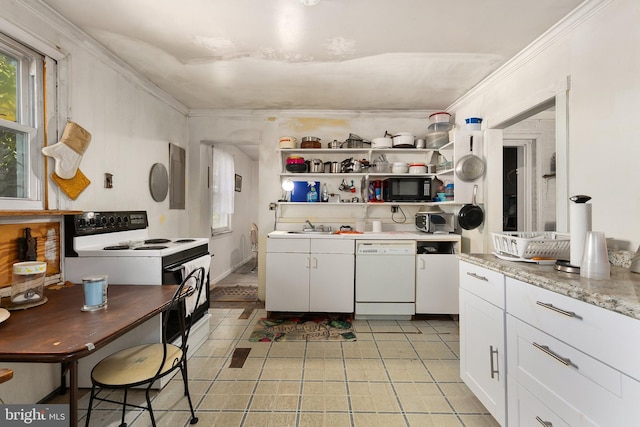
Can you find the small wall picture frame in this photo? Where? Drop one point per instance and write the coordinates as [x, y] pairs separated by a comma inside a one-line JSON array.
[[238, 186]]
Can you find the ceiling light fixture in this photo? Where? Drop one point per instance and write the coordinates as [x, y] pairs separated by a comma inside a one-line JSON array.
[[309, 2]]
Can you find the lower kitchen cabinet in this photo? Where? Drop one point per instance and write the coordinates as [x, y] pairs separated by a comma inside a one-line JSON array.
[[534, 357], [568, 362], [310, 275], [482, 337], [437, 284]]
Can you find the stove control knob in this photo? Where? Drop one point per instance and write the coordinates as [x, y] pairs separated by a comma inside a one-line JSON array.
[[112, 220], [103, 220]]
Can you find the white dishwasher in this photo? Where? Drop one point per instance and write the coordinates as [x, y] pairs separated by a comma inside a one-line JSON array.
[[385, 279]]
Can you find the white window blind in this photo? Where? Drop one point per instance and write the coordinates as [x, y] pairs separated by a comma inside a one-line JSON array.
[[222, 190]]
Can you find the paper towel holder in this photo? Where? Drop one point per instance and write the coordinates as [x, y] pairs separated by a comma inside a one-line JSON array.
[[562, 264]]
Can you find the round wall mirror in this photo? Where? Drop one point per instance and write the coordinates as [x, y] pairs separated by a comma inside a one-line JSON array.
[[158, 182]]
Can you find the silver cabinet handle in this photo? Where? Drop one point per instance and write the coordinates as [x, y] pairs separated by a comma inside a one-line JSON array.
[[543, 422], [493, 351], [545, 349], [556, 309], [477, 276]]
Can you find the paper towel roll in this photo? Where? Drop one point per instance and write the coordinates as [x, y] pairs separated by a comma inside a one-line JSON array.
[[579, 223], [376, 226]]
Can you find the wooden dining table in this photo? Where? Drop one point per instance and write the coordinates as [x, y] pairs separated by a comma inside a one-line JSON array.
[[58, 331]]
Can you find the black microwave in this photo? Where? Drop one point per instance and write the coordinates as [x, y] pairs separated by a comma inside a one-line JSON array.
[[407, 189]]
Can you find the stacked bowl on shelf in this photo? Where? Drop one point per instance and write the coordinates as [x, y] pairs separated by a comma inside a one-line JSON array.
[[438, 131]]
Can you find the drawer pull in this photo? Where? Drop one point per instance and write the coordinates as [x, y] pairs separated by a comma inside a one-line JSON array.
[[477, 276], [564, 360], [494, 371], [556, 309], [544, 423]]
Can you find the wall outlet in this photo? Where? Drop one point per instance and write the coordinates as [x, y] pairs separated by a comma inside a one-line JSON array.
[[394, 208], [272, 206]]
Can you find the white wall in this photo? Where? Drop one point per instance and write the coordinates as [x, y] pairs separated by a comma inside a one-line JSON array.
[[131, 123], [230, 249], [599, 53]]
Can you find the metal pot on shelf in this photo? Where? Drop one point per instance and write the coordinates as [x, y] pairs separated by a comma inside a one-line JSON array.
[[316, 166]]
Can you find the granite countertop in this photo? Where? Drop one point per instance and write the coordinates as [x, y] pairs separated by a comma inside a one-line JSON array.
[[621, 293], [368, 235]]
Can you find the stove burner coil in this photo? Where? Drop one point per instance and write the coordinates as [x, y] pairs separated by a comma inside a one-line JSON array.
[[153, 241], [149, 248], [115, 248], [184, 240]]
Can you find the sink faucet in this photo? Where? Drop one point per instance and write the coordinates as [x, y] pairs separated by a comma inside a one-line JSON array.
[[313, 227]]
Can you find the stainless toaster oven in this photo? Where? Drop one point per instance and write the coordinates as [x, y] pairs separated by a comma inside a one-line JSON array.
[[440, 222]]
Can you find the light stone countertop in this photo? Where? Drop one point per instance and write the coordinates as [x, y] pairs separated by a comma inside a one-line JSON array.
[[621, 293], [368, 235]]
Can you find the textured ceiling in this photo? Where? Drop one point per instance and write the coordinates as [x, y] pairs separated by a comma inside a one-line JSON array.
[[338, 54]]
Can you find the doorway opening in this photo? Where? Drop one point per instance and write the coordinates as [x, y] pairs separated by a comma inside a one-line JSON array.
[[528, 184]]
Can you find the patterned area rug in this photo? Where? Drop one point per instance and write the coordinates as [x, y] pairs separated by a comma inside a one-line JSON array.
[[234, 293], [305, 328]]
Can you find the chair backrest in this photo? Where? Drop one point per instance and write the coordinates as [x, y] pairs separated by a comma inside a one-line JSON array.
[[191, 284]]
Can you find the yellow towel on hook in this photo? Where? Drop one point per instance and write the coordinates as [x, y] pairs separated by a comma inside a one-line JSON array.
[[74, 186]]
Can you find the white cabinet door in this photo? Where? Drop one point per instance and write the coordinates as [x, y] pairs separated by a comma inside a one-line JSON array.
[[331, 283], [437, 284], [287, 283], [482, 358]]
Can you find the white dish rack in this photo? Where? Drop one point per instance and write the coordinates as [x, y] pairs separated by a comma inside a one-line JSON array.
[[528, 245]]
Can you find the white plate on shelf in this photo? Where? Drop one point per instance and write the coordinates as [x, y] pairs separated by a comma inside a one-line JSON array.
[[518, 259], [4, 314]]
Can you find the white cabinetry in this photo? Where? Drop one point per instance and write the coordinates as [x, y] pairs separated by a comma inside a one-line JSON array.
[[482, 337], [314, 275], [569, 362], [437, 281]]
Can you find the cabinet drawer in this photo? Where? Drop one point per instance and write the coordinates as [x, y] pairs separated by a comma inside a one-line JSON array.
[[487, 284], [605, 335], [331, 246], [526, 410], [288, 245], [579, 388]]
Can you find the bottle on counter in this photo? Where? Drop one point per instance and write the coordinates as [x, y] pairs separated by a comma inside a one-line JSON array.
[[312, 194], [324, 195], [448, 191]]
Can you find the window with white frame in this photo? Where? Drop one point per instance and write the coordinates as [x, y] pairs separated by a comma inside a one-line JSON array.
[[21, 126], [222, 191]]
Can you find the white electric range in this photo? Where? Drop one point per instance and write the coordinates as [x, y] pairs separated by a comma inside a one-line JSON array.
[[117, 244]]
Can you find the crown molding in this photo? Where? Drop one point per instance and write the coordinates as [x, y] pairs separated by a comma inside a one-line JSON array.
[[334, 114]]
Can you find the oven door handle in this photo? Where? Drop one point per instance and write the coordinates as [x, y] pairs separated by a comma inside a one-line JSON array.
[[175, 267]]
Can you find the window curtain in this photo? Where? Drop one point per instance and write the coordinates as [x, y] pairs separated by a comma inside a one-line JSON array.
[[223, 181]]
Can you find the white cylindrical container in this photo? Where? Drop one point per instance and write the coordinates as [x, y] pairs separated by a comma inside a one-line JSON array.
[[400, 167], [376, 226], [595, 258], [579, 223]]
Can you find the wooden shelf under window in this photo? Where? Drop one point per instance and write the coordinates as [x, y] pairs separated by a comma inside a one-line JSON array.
[[4, 213]]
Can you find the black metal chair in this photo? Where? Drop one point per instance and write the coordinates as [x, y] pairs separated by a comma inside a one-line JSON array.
[[142, 365]]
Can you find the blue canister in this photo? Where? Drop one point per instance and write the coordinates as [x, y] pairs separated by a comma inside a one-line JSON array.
[[95, 293]]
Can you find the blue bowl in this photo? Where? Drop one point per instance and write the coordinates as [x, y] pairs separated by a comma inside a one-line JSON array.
[[473, 120]]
